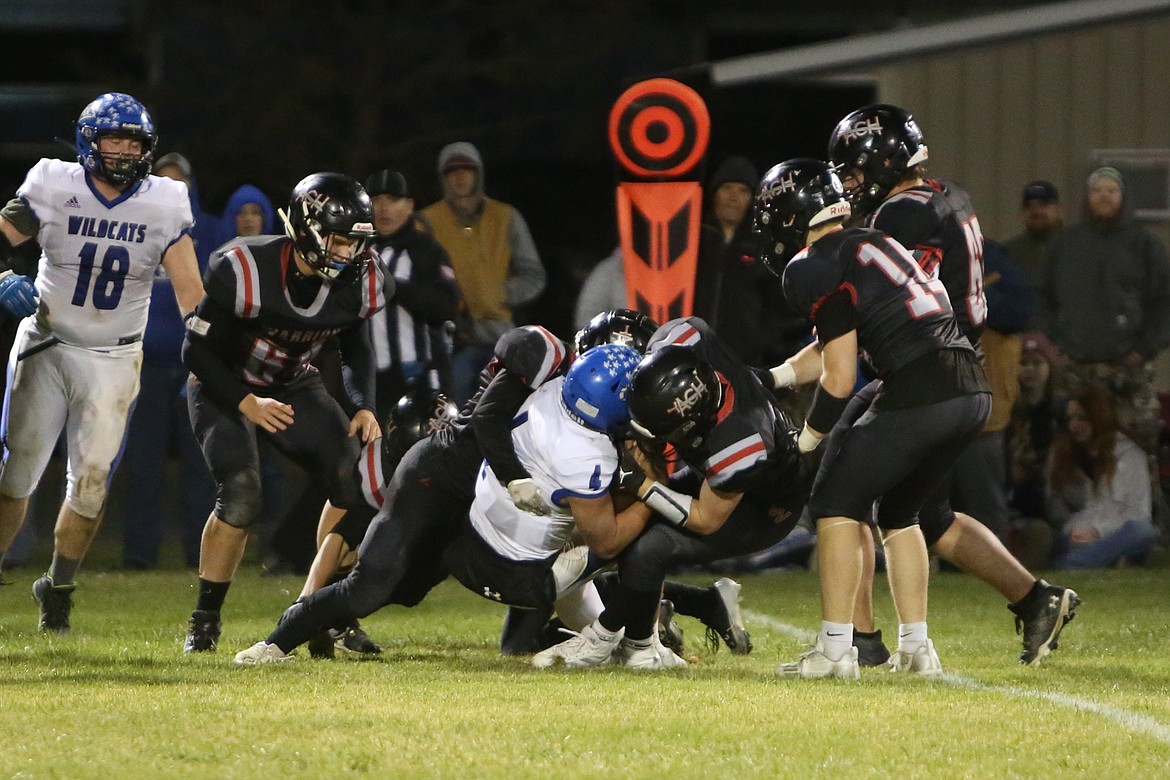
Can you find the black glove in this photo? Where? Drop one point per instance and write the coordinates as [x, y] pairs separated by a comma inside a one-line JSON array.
[[630, 475]]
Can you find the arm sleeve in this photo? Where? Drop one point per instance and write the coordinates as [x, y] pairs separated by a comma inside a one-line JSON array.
[[357, 355], [210, 333], [835, 316], [526, 276], [492, 422], [431, 293], [1131, 485]]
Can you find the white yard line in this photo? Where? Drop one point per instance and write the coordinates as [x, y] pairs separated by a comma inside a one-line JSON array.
[[1130, 721]]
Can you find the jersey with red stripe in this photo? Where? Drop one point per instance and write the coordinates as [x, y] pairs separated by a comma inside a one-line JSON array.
[[529, 352], [868, 282], [937, 223], [284, 317], [752, 447]]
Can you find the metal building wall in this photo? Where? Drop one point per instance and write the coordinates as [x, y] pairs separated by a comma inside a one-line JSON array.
[[1000, 115]]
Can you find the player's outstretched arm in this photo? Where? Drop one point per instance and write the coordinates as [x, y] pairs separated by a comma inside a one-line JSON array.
[[183, 270]]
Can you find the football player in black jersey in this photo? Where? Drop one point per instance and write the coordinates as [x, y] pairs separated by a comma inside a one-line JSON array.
[[864, 291], [271, 302], [741, 487], [881, 155], [416, 415], [405, 551]]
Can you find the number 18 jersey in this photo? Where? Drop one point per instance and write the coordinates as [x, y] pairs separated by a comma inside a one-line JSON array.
[[99, 256]]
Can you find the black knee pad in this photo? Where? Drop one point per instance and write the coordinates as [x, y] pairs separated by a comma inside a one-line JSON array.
[[239, 498]]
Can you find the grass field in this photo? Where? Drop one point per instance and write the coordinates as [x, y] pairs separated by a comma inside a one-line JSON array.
[[117, 698]]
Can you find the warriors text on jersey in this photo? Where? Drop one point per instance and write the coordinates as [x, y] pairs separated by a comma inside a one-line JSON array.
[[278, 319], [99, 256], [752, 444], [937, 223], [566, 460]]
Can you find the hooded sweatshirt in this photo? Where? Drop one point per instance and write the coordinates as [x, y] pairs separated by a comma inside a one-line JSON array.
[[491, 250], [1106, 290], [245, 194]]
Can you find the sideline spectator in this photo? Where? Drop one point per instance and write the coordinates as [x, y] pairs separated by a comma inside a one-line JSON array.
[[1042, 216], [735, 293], [1029, 438], [1099, 487], [1106, 305], [408, 335], [248, 212], [604, 289], [205, 232], [494, 257]]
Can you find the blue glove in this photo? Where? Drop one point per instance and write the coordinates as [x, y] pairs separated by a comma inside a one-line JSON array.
[[18, 295]]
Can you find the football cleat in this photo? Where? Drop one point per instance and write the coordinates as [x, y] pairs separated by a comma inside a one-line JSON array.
[[649, 656], [594, 646], [55, 602], [815, 665], [355, 640], [1041, 619], [260, 653], [727, 621], [922, 661], [871, 650], [203, 631], [670, 633]]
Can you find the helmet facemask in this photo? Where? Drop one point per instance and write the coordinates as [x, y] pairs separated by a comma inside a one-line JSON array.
[[331, 224], [115, 114]]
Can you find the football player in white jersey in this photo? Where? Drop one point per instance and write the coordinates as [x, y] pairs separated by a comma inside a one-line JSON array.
[[104, 225]]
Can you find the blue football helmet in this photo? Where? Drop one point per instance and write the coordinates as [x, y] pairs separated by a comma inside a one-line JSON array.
[[597, 387], [115, 113]]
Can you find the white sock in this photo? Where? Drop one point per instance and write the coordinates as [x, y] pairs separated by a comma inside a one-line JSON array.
[[603, 633], [836, 639], [911, 636]]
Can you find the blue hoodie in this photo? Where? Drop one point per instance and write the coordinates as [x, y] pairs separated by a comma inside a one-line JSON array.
[[245, 194]]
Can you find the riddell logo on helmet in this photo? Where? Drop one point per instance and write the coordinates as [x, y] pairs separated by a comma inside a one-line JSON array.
[[839, 210], [690, 397], [862, 128]]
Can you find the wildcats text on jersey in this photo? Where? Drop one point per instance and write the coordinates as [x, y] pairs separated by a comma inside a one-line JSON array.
[[92, 227]]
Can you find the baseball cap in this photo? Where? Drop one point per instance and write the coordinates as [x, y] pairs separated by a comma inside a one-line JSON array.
[[1043, 191]]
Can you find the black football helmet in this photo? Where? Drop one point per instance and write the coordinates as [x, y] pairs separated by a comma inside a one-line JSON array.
[[674, 397], [417, 415], [616, 326], [794, 196], [324, 205], [881, 142]]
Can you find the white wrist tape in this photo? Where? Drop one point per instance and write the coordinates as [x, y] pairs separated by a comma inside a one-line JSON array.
[[783, 375], [673, 506], [808, 439]]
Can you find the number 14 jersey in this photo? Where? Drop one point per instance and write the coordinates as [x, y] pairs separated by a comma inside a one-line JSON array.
[[99, 256], [859, 278]]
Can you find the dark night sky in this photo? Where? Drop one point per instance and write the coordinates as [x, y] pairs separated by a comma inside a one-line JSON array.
[[266, 92]]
